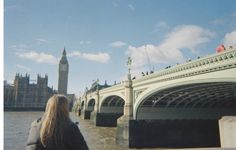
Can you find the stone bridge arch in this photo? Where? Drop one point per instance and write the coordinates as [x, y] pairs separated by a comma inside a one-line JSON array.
[[112, 103], [111, 107], [91, 104], [162, 101]]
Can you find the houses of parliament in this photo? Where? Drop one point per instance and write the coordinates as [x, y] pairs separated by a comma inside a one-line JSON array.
[[23, 94]]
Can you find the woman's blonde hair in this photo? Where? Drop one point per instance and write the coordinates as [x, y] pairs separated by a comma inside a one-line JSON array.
[[54, 120]]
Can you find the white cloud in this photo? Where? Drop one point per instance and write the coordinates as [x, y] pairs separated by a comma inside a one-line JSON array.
[[22, 67], [38, 57], [117, 44], [20, 48], [187, 36], [84, 42], [161, 25], [230, 38], [74, 54], [131, 7], [97, 57], [219, 21], [41, 40], [154, 54], [169, 51]]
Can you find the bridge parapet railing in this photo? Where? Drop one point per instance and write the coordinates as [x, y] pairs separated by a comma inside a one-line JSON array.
[[117, 87], [215, 59], [112, 88], [227, 57]]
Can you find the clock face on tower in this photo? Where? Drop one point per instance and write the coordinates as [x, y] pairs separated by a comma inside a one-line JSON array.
[[63, 68]]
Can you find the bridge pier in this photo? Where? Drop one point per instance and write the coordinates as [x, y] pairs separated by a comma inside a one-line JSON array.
[[105, 119], [227, 126], [123, 123], [93, 115], [85, 114], [123, 131], [78, 112]]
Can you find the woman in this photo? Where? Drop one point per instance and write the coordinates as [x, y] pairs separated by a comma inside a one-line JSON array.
[[55, 131]]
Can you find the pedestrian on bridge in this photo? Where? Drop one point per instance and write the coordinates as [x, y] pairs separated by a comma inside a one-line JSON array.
[[55, 130]]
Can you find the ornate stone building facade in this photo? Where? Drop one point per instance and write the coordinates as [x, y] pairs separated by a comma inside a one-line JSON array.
[[25, 94]]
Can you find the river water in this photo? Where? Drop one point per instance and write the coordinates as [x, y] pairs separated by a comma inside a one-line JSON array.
[[17, 124]]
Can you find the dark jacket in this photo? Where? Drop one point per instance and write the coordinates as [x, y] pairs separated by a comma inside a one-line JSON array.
[[72, 138]]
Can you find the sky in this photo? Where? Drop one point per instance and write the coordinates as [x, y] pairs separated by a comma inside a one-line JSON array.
[[99, 36]]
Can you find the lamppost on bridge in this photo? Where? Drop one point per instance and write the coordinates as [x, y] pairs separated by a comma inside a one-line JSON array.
[[129, 62], [96, 109], [128, 108], [97, 84]]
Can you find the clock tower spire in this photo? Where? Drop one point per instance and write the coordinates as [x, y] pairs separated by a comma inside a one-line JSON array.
[[63, 74]]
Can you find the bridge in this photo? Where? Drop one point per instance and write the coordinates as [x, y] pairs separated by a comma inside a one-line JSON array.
[[176, 107]]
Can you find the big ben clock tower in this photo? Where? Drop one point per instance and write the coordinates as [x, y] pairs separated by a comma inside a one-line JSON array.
[[63, 74]]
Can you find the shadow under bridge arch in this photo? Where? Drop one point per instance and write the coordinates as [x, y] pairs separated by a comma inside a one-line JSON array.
[[112, 107], [82, 105], [112, 104], [89, 107], [210, 100], [91, 104]]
